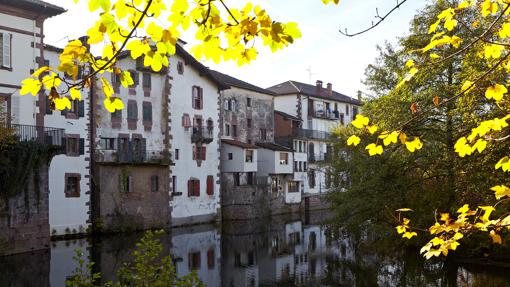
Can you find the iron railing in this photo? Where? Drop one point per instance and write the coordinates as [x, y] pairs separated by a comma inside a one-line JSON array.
[[318, 157], [133, 156], [202, 134], [52, 137], [330, 115], [313, 134]]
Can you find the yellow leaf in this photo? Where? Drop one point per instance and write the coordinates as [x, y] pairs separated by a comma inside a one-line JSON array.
[[30, 85], [501, 191], [463, 209], [414, 145], [107, 88], [112, 104], [374, 149], [404, 209], [488, 8], [39, 71], [496, 238], [353, 140], [462, 148], [449, 24], [496, 92], [372, 129], [434, 56], [409, 235], [493, 51], [480, 145], [467, 87], [75, 94], [409, 63], [126, 80], [389, 138], [433, 27], [504, 164], [360, 121], [62, 103], [51, 81]]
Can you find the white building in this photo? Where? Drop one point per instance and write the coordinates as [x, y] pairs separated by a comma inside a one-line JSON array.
[[69, 173], [194, 117], [307, 115]]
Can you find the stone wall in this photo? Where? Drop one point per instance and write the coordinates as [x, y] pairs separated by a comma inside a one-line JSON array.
[[31, 269], [116, 210], [24, 224]]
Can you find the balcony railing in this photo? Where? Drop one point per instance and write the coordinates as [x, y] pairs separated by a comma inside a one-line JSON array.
[[319, 157], [133, 156], [51, 137], [313, 134], [329, 115], [202, 134]]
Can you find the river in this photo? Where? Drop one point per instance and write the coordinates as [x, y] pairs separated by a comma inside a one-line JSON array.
[[282, 251]]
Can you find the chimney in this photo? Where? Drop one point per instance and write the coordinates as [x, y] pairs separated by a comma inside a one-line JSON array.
[[318, 87], [330, 89], [359, 95]]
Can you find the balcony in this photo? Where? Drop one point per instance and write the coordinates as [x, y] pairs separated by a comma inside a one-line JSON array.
[[50, 137], [313, 134], [328, 115], [323, 157], [202, 134], [133, 156]]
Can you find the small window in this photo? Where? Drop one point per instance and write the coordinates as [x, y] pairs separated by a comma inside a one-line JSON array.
[[154, 183], [108, 143], [186, 121], [284, 158], [147, 112], [234, 130], [199, 153], [6, 50], [132, 110], [73, 146], [347, 109], [230, 156], [263, 134], [72, 188], [197, 97], [194, 261], [248, 102], [127, 183], [176, 154], [180, 68], [248, 123], [147, 80], [227, 130], [293, 186], [249, 155], [174, 186], [193, 188]]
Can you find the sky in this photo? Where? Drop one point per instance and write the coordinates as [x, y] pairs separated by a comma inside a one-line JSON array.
[[331, 57]]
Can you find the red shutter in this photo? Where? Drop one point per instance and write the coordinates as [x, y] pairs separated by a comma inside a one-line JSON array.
[[193, 93], [190, 188], [201, 96], [210, 185], [203, 153], [197, 187], [210, 258]]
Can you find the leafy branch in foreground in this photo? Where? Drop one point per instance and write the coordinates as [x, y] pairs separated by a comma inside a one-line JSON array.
[[149, 268]]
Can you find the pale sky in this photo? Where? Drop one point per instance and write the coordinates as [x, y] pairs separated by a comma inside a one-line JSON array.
[[333, 58]]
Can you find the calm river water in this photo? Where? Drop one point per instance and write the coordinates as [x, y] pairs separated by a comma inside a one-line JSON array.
[[283, 251]]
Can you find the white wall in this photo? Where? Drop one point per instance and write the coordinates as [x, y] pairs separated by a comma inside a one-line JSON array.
[[286, 104], [186, 168], [68, 214], [238, 162]]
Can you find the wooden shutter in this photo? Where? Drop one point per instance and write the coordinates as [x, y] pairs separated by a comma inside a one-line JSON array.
[[203, 152], [193, 95], [201, 97], [190, 188], [210, 258], [81, 108], [6, 48], [197, 187], [210, 185], [82, 146]]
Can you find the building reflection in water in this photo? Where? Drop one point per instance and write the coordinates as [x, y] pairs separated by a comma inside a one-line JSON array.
[[283, 251]]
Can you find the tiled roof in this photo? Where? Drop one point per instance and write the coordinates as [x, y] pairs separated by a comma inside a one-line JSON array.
[[293, 87], [285, 115], [273, 146], [231, 81], [239, 144], [36, 6]]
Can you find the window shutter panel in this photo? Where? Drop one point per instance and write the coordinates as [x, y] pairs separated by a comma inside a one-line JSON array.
[[203, 153], [201, 95], [64, 143], [197, 187], [6, 47], [82, 146], [194, 152], [210, 185], [190, 188], [81, 108], [193, 93]]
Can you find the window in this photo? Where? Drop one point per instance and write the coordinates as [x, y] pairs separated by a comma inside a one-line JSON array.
[[295, 166], [180, 68], [210, 258], [197, 98], [74, 145], [311, 178], [304, 166], [248, 102], [135, 77], [117, 115], [154, 183], [147, 112], [127, 183], [249, 155], [107, 144], [342, 119], [263, 134], [132, 110], [210, 185], [234, 130], [147, 80], [347, 109], [174, 185], [227, 130], [72, 182], [230, 156], [248, 123], [5, 50], [284, 158], [176, 154], [186, 121], [193, 187], [300, 164], [199, 152], [250, 178], [194, 261], [237, 179]]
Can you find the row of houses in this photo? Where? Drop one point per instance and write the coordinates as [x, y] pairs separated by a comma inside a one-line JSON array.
[[188, 139]]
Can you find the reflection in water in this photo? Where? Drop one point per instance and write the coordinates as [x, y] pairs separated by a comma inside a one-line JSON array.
[[283, 251]]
